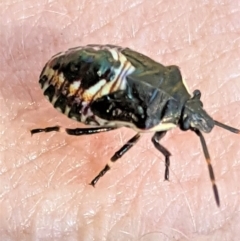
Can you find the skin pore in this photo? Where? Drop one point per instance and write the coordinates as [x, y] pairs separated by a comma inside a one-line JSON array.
[[44, 178]]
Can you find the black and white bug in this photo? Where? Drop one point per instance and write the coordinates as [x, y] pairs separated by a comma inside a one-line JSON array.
[[111, 87]]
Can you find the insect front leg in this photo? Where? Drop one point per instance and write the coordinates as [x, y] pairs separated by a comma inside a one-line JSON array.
[[115, 157], [155, 140], [74, 132]]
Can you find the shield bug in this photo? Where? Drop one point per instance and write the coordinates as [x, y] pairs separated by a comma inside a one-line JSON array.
[[110, 87]]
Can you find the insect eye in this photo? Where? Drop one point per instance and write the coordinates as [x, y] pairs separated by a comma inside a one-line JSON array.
[[185, 124], [196, 94]]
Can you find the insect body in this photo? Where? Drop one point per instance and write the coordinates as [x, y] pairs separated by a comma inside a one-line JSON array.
[[111, 87]]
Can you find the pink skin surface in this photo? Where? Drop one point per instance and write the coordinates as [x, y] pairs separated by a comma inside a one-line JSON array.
[[44, 191]]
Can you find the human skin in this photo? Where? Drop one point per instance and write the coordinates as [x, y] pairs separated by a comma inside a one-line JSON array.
[[44, 191]]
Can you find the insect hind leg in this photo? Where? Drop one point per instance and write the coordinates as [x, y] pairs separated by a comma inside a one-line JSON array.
[[74, 132], [115, 157], [155, 140]]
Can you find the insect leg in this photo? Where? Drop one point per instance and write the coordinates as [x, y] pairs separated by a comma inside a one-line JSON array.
[[210, 169], [115, 157], [74, 132], [155, 140]]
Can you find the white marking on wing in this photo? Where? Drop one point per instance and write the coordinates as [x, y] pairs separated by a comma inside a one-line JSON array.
[[89, 93], [114, 54], [186, 86], [74, 87]]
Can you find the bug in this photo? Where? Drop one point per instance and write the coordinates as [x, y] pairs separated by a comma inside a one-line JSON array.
[[108, 87]]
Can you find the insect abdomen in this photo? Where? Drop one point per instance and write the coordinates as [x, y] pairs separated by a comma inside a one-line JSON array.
[[76, 78]]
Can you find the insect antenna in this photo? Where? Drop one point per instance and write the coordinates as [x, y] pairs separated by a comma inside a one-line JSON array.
[[229, 128], [210, 169]]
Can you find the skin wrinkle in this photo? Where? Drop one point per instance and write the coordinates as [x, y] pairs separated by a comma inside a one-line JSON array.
[[159, 38], [55, 171]]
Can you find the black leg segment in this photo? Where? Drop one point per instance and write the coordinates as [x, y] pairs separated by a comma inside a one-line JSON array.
[[47, 129], [155, 140], [115, 157], [74, 132]]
